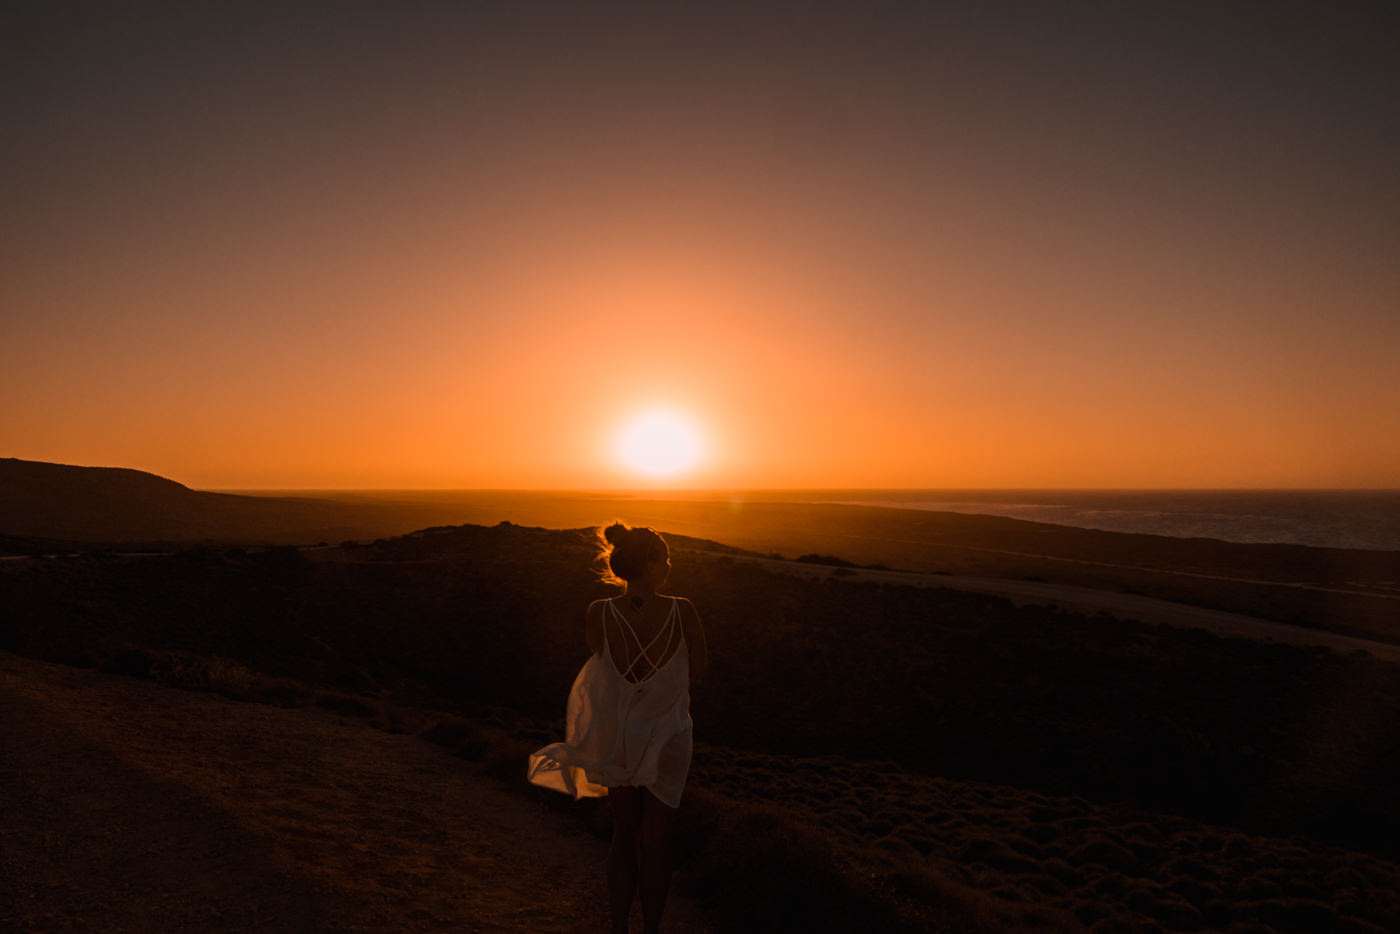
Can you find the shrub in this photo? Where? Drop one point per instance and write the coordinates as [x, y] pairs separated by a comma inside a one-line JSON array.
[[346, 704], [757, 856], [134, 663], [459, 736], [1105, 852], [507, 759]]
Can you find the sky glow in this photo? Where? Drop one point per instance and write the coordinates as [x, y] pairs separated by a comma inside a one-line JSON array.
[[983, 245]]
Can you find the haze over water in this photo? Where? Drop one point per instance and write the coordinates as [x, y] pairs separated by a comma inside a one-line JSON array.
[[1324, 518], [1366, 519]]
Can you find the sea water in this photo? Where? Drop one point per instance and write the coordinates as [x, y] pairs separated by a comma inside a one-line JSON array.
[[1326, 518]]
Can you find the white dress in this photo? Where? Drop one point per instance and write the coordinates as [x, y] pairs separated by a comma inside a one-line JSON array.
[[625, 727]]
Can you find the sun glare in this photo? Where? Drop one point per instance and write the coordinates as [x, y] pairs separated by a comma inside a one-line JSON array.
[[660, 444]]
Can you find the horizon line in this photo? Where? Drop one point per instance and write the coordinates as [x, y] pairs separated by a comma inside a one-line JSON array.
[[632, 491]]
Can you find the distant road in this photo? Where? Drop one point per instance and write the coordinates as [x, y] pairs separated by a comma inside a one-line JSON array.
[[1122, 605], [1368, 588]]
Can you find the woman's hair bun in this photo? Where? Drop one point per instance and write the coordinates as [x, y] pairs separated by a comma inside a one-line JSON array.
[[625, 552]]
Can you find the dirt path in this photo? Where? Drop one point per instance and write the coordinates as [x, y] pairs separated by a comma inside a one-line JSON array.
[[1370, 589], [1123, 605], [128, 806]]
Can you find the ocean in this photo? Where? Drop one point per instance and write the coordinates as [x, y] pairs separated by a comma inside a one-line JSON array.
[[1326, 518]]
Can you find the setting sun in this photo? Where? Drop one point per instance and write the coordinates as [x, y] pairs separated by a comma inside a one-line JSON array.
[[660, 444]]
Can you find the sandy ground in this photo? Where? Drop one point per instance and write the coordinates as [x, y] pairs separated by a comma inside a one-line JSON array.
[[1122, 605], [128, 806]]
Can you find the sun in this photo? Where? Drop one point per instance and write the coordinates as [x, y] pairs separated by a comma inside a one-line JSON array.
[[660, 444]]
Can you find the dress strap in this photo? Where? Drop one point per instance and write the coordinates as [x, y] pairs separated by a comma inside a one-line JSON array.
[[668, 628]]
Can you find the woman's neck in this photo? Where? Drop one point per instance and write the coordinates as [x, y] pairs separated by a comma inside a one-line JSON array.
[[639, 589]]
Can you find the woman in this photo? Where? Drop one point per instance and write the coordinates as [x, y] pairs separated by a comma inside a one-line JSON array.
[[629, 730]]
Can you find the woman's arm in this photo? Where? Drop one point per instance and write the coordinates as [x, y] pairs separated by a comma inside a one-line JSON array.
[[593, 627], [695, 641]]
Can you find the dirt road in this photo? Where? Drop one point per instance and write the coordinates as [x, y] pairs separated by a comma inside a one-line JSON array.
[[1123, 605], [128, 806]]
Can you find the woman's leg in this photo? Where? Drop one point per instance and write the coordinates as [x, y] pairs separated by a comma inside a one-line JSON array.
[[657, 820], [626, 803]]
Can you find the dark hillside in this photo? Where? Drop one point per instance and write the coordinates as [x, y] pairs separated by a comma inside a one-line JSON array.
[[60, 504], [1351, 591], [54, 508], [1269, 738]]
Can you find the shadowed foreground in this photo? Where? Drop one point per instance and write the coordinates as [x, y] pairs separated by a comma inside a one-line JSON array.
[[131, 807], [875, 756]]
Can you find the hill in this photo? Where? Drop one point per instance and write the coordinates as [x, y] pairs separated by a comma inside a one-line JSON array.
[[61, 506], [55, 508]]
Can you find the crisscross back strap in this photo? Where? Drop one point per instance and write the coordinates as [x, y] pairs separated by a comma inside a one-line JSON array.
[[667, 628]]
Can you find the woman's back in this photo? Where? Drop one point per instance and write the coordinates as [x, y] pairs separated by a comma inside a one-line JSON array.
[[649, 627], [642, 641]]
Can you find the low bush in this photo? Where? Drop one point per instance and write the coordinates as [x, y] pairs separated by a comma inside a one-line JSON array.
[[459, 736]]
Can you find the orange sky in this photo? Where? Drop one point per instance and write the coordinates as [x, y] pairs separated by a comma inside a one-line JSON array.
[[424, 250]]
